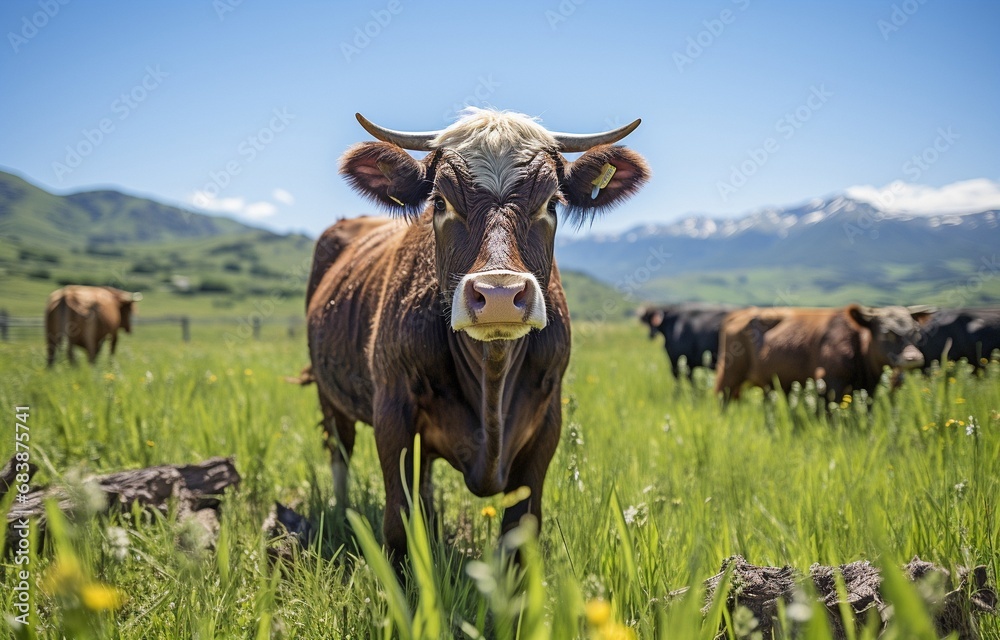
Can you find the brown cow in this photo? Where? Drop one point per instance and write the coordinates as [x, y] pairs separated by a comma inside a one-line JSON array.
[[451, 322], [845, 348], [86, 316]]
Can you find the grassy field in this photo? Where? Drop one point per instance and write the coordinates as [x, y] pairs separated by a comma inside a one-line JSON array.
[[652, 486]]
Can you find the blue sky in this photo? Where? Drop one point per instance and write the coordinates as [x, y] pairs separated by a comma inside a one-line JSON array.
[[744, 103]]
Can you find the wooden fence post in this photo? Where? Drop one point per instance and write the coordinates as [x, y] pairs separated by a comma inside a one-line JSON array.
[[186, 328], [256, 328], [4, 324]]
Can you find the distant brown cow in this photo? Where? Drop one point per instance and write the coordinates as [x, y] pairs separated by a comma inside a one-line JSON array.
[[845, 348], [86, 316], [450, 321]]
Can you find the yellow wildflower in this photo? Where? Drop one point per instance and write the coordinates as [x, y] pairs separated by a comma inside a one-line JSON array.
[[212, 379], [150, 443], [110, 377], [63, 576], [488, 512], [100, 597], [598, 612], [248, 372], [959, 400]]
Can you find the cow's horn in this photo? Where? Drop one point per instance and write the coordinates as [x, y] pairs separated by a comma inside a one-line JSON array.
[[413, 140], [136, 297], [578, 142]]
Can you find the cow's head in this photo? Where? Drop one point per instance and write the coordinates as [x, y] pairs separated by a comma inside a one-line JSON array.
[[125, 300], [490, 185], [653, 318], [895, 334]]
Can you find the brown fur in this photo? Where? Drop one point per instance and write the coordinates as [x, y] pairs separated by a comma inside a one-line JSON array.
[[381, 343], [847, 348], [86, 316]]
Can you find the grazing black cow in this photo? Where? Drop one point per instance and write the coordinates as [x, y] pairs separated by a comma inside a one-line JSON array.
[[689, 330], [972, 334]]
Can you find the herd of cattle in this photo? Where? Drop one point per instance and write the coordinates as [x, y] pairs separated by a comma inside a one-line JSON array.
[[449, 321], [843, 349]]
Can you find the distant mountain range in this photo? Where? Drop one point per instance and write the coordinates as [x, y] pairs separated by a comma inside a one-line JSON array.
[[823, 247], [828, 252]]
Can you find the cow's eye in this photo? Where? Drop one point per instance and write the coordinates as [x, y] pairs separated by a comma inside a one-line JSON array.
[[440, 206], [551, 207]]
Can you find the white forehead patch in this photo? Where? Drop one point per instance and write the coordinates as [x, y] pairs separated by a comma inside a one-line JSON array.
[[496, 145]]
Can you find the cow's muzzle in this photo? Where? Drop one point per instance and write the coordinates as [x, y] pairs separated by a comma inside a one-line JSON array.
[[497, 305], [909, 358]]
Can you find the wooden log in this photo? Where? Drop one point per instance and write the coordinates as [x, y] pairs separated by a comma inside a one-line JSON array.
[[10, 472], [195, 487], [759, 589]]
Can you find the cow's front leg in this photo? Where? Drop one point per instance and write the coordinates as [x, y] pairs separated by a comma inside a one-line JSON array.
[[394, 431], [427, 494], [340, 433], [529, 469]]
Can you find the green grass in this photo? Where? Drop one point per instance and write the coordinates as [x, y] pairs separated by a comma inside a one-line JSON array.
[[652, 486]]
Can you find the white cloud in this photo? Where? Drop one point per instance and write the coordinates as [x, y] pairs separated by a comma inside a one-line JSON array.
[[967, 196], [259, 210], [237, 206], [282, 196]]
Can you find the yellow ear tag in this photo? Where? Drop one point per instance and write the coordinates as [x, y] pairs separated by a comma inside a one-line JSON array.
[[397, 201], [601, 181]]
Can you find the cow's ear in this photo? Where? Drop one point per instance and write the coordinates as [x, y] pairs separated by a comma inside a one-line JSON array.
[[387, 175], [656, 319], [602, 178], [861, 315]]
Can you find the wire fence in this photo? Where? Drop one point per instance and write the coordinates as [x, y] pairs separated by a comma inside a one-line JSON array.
[[33, 327]]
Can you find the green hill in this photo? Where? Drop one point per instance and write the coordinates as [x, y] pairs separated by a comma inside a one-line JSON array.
[[183, 262]]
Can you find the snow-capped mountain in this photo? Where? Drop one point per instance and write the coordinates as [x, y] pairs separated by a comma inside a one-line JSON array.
[[843, 235]]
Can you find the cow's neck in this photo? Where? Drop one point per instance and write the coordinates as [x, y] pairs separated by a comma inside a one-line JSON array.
[[489, 367]]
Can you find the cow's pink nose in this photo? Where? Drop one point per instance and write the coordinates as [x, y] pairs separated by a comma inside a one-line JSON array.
[[498, 300]]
